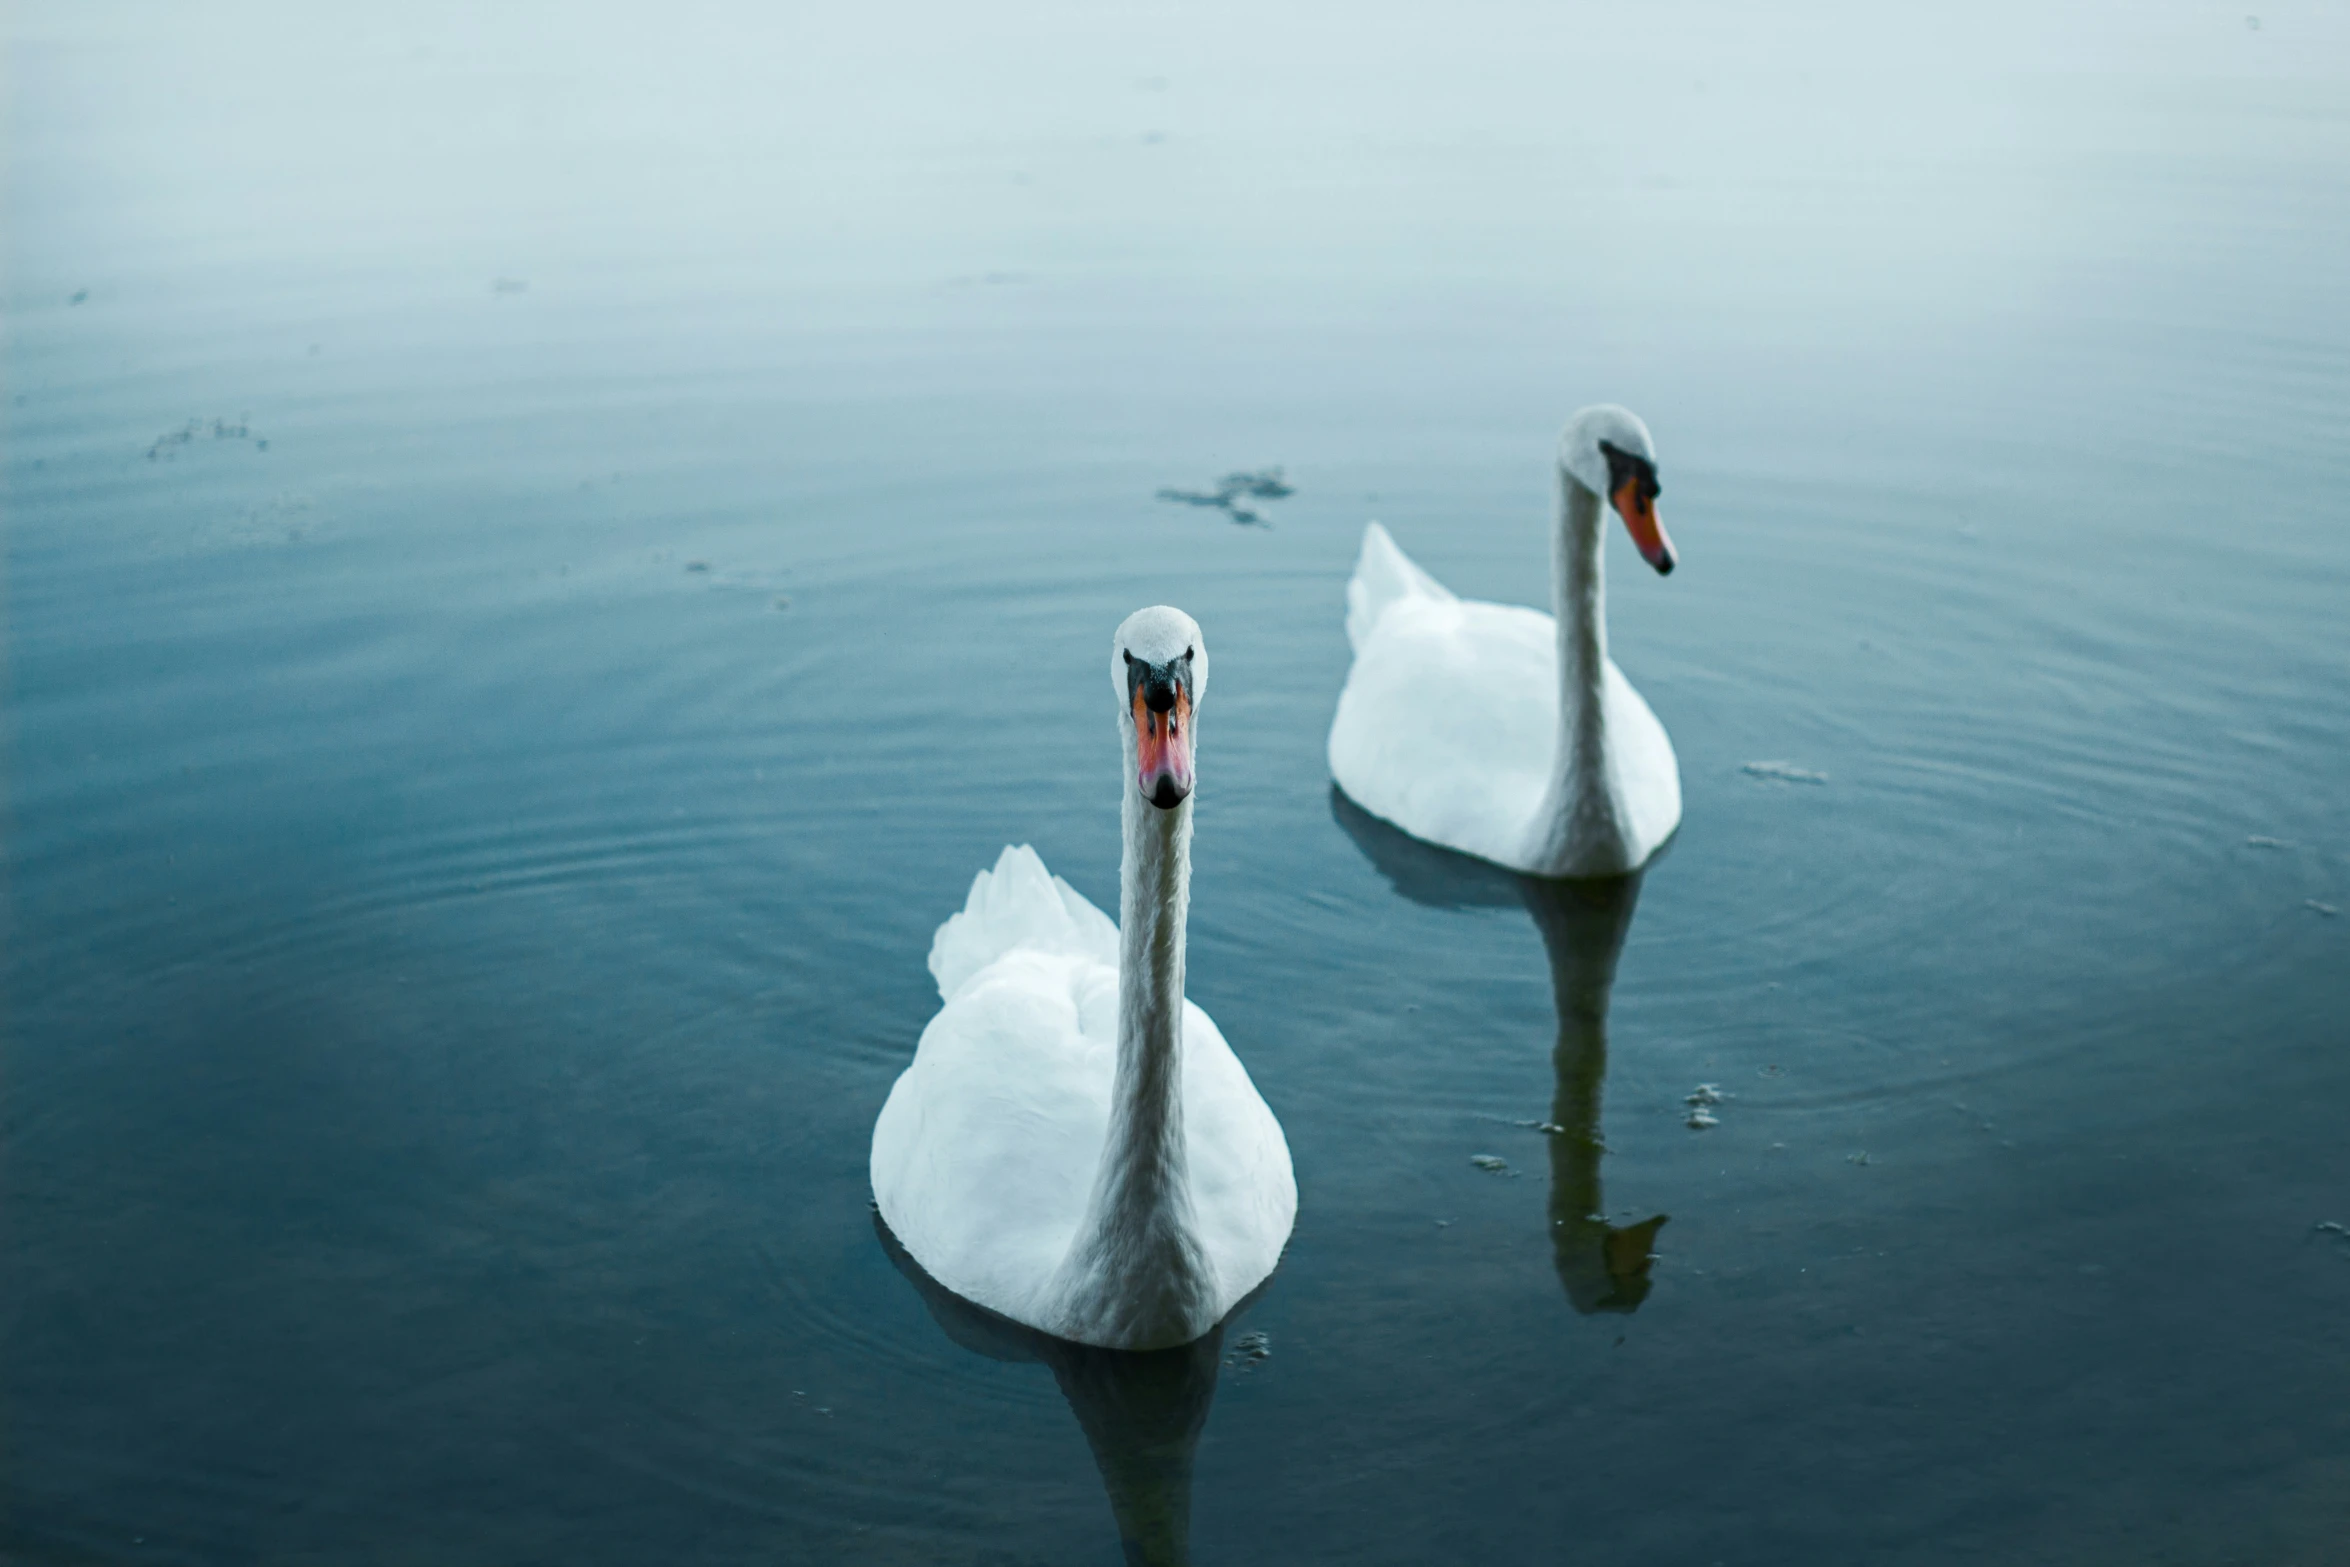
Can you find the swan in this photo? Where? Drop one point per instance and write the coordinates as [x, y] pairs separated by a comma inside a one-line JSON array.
[[1449, 726], [1075, 1146]]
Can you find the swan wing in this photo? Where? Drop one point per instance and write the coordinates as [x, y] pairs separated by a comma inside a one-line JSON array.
[[1243, 1190], [1449, 722], [984, 1156], [1018, 904], [1384, 576], [985, 1152], [1647, 777]]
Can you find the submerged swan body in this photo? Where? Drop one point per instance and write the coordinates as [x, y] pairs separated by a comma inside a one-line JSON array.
[[1075, 1146], [1604, 1266], [1142, 1413], [1504, 732]]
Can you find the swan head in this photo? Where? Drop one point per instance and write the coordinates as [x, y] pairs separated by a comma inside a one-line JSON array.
[[1159, 667], [1606, 449]]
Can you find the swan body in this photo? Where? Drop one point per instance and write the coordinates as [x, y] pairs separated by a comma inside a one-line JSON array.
[[1075, 1146], [1501, 731]]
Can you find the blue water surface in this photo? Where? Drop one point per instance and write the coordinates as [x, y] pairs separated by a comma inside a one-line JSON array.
[[543, 550]]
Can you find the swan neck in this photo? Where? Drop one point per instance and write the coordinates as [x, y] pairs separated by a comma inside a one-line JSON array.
[[1578, 829], [1579, 599], [1136, 1276], [1154, 898]]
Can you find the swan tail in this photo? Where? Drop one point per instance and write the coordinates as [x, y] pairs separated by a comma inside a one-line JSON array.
[[1384, 575], [1017, 904]]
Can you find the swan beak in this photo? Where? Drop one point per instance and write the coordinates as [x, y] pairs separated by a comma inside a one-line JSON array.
[[1638, 510], [1162, 744]]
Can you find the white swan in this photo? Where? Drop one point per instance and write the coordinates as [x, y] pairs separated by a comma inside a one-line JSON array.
[[1075, 1146], [1503, 732]]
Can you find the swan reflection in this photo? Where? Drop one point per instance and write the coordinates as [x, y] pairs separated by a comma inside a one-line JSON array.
[[1141, 1410], [1603, 1266]]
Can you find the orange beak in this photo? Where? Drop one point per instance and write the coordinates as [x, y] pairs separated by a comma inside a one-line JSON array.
[[1639, 513], [1162, 749]]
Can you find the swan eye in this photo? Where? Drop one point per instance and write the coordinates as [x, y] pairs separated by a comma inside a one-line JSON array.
[[1158, 686], [1624, 468]]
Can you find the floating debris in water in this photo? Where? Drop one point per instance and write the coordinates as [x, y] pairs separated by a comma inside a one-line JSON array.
[[697, 565], [1857, 1158], [1700, 1118], [1700, 1105], [166, 446], [1706, 1094], [1250, 1349], [2261, 840], [1782, 772], [2327, 909], [1264, 484], [79, 295], [1493, 1164], [2333, 1227]]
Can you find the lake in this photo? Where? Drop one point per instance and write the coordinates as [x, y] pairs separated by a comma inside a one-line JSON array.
[[544, 550]]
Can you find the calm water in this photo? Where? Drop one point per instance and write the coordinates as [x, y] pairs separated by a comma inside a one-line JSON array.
[[542, 554]]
